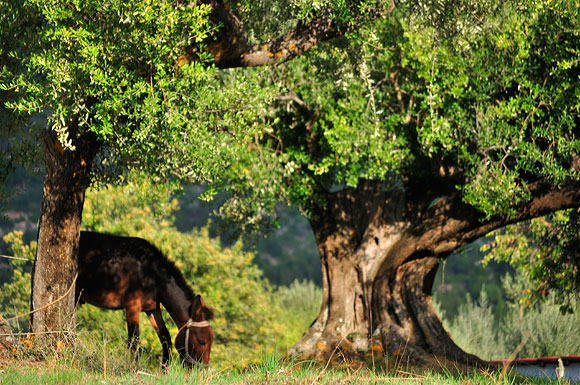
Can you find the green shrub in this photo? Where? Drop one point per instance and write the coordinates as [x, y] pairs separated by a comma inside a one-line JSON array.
[[300, 304], [15, 294], [476, 330], [542, 327], [247, 319], [545, 328]]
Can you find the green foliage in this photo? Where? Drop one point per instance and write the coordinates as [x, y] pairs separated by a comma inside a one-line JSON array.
[[97, 61], [548, 331], [115, 69], [546, 251], [463, 274], [16, 148], [475, 329], [323, 127], [502, 104], [15, 298], [489, 90], [249, 317], [300, 304]]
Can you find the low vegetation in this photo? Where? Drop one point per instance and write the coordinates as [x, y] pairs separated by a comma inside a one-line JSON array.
[[248, 311], [527, 330], [64, 368]]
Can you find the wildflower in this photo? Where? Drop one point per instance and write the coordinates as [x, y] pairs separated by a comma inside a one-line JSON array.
[[27, 341]]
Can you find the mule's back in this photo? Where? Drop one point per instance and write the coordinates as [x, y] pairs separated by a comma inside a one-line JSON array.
[[114, 271]]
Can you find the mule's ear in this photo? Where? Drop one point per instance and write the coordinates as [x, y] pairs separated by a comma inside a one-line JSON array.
[[207, 313], [196, 303]]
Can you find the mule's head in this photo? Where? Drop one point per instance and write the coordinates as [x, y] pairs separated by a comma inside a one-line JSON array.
[[193, 342]]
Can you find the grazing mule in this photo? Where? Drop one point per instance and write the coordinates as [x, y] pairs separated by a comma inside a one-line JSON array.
[[129, 273]]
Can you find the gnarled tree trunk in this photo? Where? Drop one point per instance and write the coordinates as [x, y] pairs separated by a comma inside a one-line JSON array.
[[380, 252], [55, 266]]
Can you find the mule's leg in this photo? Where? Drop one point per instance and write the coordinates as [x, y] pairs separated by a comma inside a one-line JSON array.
[[159, 325], [132, 316]]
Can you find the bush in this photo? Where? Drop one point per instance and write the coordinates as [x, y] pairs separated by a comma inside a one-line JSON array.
[[543, 328], [247, 319], [15, 299], [300, 304], [475, 329]]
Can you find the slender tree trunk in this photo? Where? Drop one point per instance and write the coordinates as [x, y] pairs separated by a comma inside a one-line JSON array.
[[380, 252], [55, 267]]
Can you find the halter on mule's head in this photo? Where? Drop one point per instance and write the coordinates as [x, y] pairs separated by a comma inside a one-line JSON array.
[[193, 342]]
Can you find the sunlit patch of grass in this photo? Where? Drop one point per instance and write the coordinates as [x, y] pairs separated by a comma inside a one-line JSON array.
[[272, 369], [98, 354]]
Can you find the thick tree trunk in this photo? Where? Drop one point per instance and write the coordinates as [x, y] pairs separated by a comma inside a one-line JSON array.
[[380, 252], [406, 321], [375, 307], [55, 266]]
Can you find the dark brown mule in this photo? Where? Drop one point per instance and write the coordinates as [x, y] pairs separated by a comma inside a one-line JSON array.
[[130, 273]]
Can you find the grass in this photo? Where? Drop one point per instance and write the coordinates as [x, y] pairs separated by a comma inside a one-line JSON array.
[[99, 355], [271, 369]]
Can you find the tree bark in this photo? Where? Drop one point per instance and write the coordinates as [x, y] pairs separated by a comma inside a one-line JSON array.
[[55, 267], [380, 252]]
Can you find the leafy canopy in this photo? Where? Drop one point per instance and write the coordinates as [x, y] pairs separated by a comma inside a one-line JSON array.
[[96, 62], [113, 69], [17, 146], [487, 91], [491, 97]]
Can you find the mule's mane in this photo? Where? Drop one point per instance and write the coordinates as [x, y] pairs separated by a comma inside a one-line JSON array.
[[177, 275]]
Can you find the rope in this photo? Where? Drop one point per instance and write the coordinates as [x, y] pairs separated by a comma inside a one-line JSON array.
[[38, 333], [48, 305], [17, 258], [195, 324], [188, 356]]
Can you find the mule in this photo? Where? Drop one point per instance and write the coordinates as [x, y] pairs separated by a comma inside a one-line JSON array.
[[128, 273]]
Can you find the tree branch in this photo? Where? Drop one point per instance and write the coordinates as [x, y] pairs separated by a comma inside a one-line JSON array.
[[451, 223], [231, 49]]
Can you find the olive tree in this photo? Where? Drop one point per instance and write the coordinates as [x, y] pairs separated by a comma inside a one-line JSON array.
[[405, 141]]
